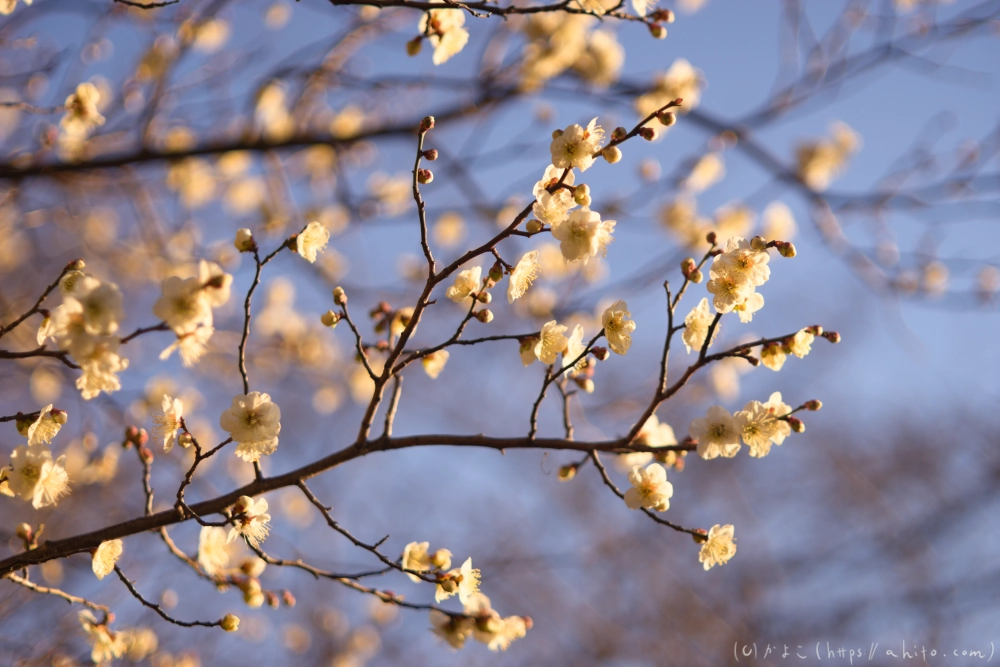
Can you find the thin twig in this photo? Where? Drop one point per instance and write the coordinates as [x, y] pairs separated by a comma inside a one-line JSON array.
[[159, 610]]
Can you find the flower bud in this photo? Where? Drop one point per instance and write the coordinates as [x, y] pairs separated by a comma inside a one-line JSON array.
[[567, 472], [496, 272], [758, 243], [485, 315], [612, 154], [601, 353], [581, 195], [288, 598], [534, 226], [272, 600], [431, 154], [666, 118], [414, 45], [585, 383], [448, 585], [489, 624], [427, 123], [754, 361], [556, 134], [24, 423], [244, 241], [24, 532], [815, 329], [618, 134], [711, 237], [700, 536], [425, 176], [696, 277], [254, 600], [662, 16], [339, 296], [330, 319], [688, 265], [146, 454], [441, 559], [230, 623], [185, 440], [485, 297], [647, 133], [796, 424], [786, 249], [832, 336], [76, 265], [59, 416], [657, 31], [813, 405]]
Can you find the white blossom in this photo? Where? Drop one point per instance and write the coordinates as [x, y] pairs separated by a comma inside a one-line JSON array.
[[650, 488], [575, 147], [696, 327], [583, 235], [250, 520], [716, 433], [312, 240], [34, 476], [718, 548], [618, 327], [522, 275], [105, 556], [550, 342], [466, 284], [253, 421], [757, 427], [168, 421]]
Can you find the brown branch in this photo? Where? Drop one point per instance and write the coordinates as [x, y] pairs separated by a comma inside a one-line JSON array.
[[42, 351], [72, 599], [72, 266], [159, 610]]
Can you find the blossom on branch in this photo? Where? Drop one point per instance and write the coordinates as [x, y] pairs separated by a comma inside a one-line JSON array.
[[696, 327], [254, 422], [550, 342], [168, 421], [463, 581], [444, 28], [576, 146], [716, 433], [312, 240], [583, 235], [105, 557], [618, 327], [650, 488], [34, 476], [466, 284], [719, 548], [522, 275], [250, 520]]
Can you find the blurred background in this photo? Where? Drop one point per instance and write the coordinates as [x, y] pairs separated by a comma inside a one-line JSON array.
[[865, 131]]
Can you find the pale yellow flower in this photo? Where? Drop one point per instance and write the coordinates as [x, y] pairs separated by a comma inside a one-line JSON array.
[[463, 581], [550, 342], [105, 557], [34, 476], [522, 275], [434, 363], [716, 433], [312, 240], [718, 548], [618, 327], [250, 520], [650, 488], [467, 283], [168, 421]]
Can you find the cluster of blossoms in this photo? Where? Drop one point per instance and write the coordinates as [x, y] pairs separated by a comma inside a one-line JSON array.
[[32, 474], [136, 644], [580, 231], [186, 307], [822, 160], [84, 326], [759, 425], [773, 354], [478, 619], [736, 273]]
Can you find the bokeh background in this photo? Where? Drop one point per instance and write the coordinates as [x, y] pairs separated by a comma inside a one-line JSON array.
[[876, 525]]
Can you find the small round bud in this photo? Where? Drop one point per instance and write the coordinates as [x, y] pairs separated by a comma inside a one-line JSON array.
[[76, 265], [786, 249], [647, 133], [272, 600], [528, 623], [431, 154], [567, 472], [754, 361], [485, 297], [427, 123], [666, 118], [485, 315], [414, 45], [23, 424], [815, 329], [696, 277], [796, 424], [600, 353], [813, 405], [244, 241], [585, 383], [832, 336], [230, 622], [185, 440], [24, 532], [581, 195], [700, 536], [330, 319], [612, 154], [288, 598], [688, 265], [657, 31], [339, 296], [619, 134], [758, 243], [556, 134], [441, 559], [662, 16], [496, 272], [534, 226], [711, 237], [448, 585], [146, 454], [59, 416], [425, 176]]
